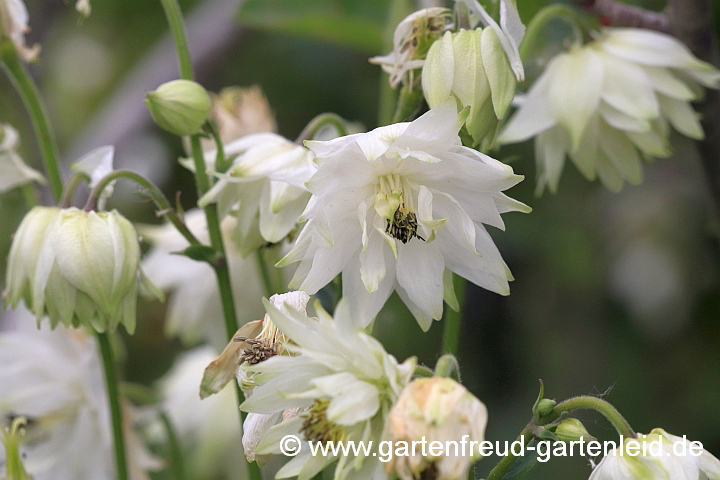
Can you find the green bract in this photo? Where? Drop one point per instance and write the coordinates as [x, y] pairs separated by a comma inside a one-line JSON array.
[[472, 67], [180, 106]]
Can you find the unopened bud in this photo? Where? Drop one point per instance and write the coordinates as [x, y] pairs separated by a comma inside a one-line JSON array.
[[572, 430], [544, 407], [180, 106]]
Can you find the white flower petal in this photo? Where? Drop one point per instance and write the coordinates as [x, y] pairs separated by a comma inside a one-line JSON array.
[[420, 268]]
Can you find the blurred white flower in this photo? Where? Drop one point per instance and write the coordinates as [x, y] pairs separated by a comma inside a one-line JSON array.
[[195, 310], [55, 380], [14, 20], [209, 429], [240, 111], [411, 41], [436, 409], [13, 171], [264, 188], [88, 272], [471, 67], [83, 7], [399, 208], [602, 102], [342, 380], [657, 456]]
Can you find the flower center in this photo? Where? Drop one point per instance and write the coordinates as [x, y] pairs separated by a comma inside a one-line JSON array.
[[260, 350], [317, 427], [394, 202]]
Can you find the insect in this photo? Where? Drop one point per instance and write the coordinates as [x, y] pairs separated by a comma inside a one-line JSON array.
[[403, 227]]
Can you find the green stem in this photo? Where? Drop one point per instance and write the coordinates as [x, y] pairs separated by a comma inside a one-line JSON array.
[[453, 320], [536, 28], [30, 94], [265, 273], [177, 462], [28, 192], [319, 122], [174, 17], [72, 185], [221, 163], [115, 409], [155, 193], [583, 402], [408, 104]]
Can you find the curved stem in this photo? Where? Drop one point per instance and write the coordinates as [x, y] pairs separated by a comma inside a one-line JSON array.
[[536, 28], [319, 122], [30, 94], [157, 196], [73, 183], [177, 462], [174, 17], [583, 402], [221, 163], [115, 408]]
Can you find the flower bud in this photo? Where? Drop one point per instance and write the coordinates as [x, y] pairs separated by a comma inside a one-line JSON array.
[[472, 67], [180, 106], [437, 409], [572, 430], [544, 407], [24, 253], [88, 272]]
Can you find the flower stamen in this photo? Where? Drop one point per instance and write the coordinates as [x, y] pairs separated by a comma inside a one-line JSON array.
[[260, 350], [317, 427]]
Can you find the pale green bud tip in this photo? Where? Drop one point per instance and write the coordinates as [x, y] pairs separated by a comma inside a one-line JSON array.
[[572, 430], [180, 106], [544, 407]]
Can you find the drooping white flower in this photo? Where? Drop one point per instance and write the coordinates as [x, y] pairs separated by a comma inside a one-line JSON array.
[[436, 410], [343, 382], [195, 311], [55, 380], [510, 31], [610, 102], [411, 41], [471, 67], [13, 171], [657, 456], [399, 208], [209, 429], [14, 20], [264, 188], [88, 271]]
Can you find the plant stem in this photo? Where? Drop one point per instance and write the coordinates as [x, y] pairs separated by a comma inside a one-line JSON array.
[[177, 462], [408, 104], [202, 182], [536, 28], [25, 85], [73, 183], [221, 163], [270, 289], [583, 402], [157, 196], [453, 320], [115, 409], [319, 122]]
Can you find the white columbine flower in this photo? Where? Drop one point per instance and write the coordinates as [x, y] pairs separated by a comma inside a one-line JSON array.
[[14, 25], [209, 429], [194, 309], [657, 456], [13, 171], [411, 41], [436, 410], [606, 103], [55, 380], [399, 208], [264, 188], [342, 380], [83, 7], [88, 271]]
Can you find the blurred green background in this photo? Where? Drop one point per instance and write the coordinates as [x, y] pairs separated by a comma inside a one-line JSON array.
[[613, 293]]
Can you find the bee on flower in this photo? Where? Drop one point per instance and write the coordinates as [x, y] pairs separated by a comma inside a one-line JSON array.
[[610, 103]]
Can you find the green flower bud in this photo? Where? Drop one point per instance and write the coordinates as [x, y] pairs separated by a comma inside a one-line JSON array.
[[544, 407], [180, 106], [88, 272], [572, 430], [472, 67], [24, 253]]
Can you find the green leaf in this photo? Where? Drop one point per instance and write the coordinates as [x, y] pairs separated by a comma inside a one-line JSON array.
[[523, 465], [356, 24], [200, 253]]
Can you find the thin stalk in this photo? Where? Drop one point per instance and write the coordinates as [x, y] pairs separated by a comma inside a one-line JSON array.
[[174, 17], [265, 273], [536, 28], [221, 163], [73, 183], [409, 104], [177, 461], [319, 122], [155, 193], [453, 321], [115, 409], [30, 94], [583, 402], [28, 192]]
